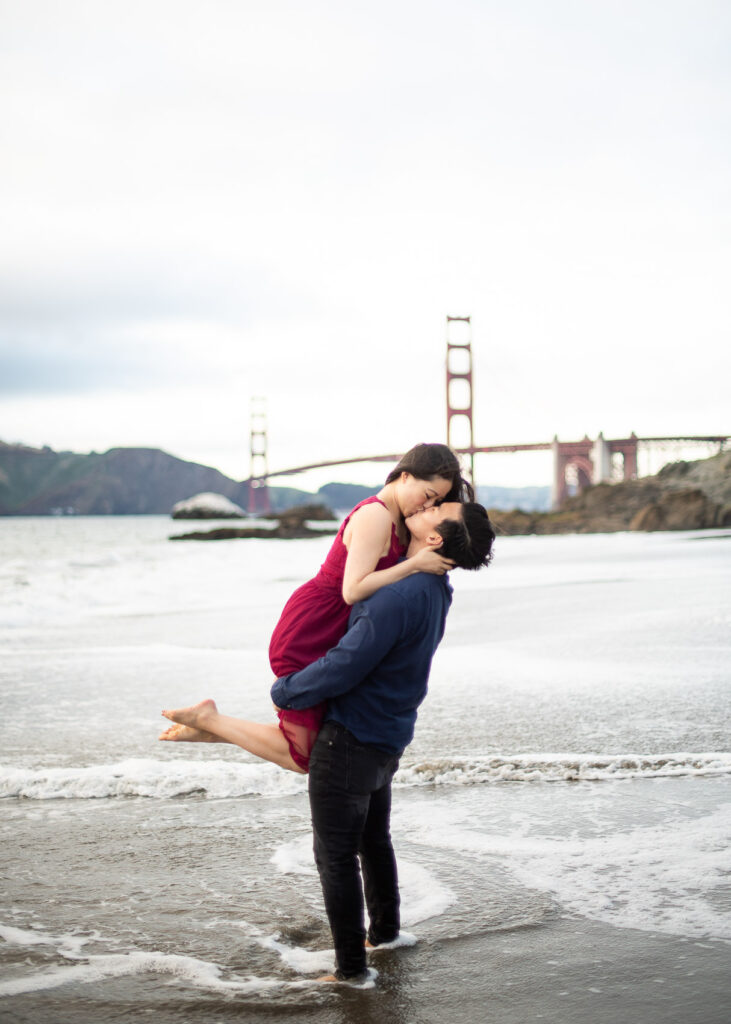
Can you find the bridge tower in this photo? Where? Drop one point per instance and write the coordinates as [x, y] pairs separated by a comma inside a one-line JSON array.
[[460, 435], [258, 464]]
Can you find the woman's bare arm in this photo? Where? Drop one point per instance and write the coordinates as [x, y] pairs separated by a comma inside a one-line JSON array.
[[367, 536]]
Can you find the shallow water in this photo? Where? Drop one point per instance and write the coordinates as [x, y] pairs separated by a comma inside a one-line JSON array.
[[571, 769]]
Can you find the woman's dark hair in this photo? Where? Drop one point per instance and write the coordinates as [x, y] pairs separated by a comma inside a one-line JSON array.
[[468, 541], [426, 461]]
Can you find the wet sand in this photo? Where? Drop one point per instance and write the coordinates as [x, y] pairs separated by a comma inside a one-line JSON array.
[[566, 970]]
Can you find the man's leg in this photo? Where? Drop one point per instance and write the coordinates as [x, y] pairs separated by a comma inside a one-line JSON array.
[[338, 819], [380, 876]]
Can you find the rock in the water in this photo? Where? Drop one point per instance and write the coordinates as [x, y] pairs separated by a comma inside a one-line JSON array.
[[299, 513], [292, 525], [280, 532], [207, 506]]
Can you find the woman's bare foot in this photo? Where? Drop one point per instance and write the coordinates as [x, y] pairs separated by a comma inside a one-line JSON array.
[[186, 734], [196, 716], [265, 741]]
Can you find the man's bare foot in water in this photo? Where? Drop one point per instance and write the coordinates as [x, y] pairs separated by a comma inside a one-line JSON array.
[[186, 734], [357, 981]]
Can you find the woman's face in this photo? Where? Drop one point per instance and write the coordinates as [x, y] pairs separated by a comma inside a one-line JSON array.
[[414, 494], [426, 520]]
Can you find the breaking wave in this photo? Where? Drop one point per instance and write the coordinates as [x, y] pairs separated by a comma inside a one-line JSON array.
[[561, 768], [139, 777]]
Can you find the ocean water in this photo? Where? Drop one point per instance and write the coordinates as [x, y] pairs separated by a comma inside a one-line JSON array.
[[570, 776]]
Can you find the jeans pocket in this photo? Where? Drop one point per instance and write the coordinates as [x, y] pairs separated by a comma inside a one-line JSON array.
[[366, 769], [322, 757]]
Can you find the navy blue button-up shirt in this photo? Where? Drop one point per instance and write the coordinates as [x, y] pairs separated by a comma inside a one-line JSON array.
[[376, 677]]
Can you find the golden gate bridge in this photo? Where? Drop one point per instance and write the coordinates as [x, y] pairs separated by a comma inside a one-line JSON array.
[[576, 464]]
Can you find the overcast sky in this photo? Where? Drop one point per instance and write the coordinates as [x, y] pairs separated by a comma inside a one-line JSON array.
[[202, 202]]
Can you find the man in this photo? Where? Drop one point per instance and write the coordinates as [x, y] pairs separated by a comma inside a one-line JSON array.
[[374, 681]]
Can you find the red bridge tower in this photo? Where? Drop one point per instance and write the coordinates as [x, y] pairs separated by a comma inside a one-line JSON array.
[[459, 387], [258, 464]]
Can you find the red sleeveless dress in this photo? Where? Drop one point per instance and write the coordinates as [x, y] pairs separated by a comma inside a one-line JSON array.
[[313, 620]]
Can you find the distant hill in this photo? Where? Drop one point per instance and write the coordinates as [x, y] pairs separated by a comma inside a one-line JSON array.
[[343, 497], [130, 481], [147, 481], [122, 481]]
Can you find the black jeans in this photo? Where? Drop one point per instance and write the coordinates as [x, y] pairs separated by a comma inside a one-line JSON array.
[[350, 800]]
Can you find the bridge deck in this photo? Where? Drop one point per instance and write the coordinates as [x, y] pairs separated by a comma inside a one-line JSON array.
[[493, 450]]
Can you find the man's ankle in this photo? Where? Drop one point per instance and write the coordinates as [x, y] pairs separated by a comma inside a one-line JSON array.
[[383, 939], [353, 979]]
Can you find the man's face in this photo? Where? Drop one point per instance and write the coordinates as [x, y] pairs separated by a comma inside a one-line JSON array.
[[424, 522]]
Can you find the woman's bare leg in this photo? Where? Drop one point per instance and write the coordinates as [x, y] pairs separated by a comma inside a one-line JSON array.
[[265, 741]]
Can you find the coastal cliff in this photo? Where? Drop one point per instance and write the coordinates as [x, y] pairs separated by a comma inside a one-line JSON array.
[[682, 496]]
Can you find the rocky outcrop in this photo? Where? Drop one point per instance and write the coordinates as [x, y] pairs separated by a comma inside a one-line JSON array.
[[712, 476], [292, 525], [681, 510], [682, 496], [207, 506]]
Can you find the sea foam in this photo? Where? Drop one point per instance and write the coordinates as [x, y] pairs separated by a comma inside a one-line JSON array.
[[147, 777], [143, 777], [669, 877], [561, 767], [201, 974]]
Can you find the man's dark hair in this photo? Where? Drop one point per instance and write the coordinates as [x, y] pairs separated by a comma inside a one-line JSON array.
[[468, 541]]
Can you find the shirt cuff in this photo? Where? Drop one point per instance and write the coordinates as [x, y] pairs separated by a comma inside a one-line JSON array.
[[278, 694]]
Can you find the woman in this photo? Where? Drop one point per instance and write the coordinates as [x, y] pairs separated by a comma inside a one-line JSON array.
[[365, 556]]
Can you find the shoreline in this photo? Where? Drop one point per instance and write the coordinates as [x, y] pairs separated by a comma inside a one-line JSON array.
[[565, 969]]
